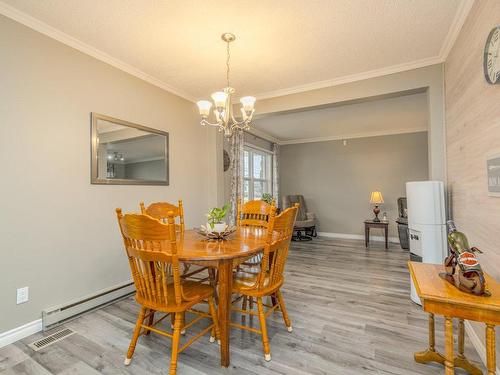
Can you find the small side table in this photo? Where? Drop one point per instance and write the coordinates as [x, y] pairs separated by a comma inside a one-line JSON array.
[[376, 224], [439, 297]]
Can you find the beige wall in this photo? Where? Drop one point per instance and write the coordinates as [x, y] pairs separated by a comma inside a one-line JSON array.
[[59, 232], [336, 180], [473, 132]]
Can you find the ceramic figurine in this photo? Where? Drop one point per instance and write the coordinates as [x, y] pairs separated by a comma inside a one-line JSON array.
[[462, 267]]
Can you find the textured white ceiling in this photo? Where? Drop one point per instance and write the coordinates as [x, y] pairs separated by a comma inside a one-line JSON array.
[[280, 44], [402, 114]]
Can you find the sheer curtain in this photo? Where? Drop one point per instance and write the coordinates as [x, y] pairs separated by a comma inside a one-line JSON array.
[[276, 177], [237, 143]]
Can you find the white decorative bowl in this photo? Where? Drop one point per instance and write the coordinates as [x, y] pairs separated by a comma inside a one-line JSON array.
[[218, 228]]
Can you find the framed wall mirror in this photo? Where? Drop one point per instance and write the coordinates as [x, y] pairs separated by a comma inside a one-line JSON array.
[[124, 153]]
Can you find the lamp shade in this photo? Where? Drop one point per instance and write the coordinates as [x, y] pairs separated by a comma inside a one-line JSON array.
[[219, 99], [248, 103], [204, 107], [376, 197]]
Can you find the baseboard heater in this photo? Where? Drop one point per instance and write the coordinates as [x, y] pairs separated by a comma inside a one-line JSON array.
[[58, 315]]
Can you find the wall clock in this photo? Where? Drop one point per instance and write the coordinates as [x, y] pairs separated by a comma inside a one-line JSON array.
[[227, 161], [491, 57]]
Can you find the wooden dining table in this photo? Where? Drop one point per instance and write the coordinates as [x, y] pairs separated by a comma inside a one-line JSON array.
[[194, 248]]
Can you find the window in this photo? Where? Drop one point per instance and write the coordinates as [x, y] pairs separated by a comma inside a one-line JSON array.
[[257, 174]]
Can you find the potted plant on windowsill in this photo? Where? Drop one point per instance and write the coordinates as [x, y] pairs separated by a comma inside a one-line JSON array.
[[215, 222]]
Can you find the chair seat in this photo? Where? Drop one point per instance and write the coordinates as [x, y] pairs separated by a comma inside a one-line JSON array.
[[193, 291], [245, 280], [245, 283]]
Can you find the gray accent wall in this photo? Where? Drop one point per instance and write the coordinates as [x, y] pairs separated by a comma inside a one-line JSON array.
[[146, 170], [337, 180]]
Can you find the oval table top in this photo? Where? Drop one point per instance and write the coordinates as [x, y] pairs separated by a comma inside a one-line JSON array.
[[245, 242]]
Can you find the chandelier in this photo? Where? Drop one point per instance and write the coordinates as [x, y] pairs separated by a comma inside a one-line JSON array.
[[223, 109], [116, 156]]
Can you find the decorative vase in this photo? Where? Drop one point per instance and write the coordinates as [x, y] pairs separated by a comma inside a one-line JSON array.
[[219, 228]]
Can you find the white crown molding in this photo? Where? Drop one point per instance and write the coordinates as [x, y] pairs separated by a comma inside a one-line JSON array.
[[262, 134], [64, 38], [351, 78], [353, 136], [457, 24], [20, 333], [346, 236]]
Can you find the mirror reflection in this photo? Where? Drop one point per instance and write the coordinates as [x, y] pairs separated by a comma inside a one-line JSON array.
[[126, 153]]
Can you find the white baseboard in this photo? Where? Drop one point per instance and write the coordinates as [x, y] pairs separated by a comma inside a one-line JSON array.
[[57, 315], [52, 316], [19, 333], [357, 237], [477, 343]]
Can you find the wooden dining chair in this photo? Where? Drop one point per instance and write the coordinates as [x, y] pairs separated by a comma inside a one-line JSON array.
[[253, 213], [160, 210], [270, 279], [152, 253]]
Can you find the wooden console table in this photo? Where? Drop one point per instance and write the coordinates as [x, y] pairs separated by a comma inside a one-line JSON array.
[[376, 224], [439, 297]]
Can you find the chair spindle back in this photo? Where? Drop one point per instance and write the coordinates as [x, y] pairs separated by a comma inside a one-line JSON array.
[[254, 213], [280, 231], [160, 210]]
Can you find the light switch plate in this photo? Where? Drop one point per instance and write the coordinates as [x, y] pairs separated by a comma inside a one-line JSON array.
[[22, 295]]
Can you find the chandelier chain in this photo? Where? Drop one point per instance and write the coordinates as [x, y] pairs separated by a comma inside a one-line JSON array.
[[227, 63]]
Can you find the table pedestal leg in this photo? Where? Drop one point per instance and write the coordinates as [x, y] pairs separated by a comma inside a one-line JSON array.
[[460, 361], [225, 286], [448, 345], [490, 349], [430, 355]]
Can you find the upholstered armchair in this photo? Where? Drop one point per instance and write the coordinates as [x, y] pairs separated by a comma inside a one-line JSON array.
[[305, 224]]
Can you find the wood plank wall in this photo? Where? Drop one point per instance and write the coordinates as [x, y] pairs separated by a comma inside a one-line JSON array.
[[473, 132]]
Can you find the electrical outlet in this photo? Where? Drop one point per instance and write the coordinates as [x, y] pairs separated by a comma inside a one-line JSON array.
[[22, 295]]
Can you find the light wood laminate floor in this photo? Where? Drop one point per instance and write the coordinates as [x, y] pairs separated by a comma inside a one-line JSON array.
[[349, 306]]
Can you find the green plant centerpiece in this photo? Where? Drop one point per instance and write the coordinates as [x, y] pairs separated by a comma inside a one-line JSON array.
[[268, 198], [215, 219]]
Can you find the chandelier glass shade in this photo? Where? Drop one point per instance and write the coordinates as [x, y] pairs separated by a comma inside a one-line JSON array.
[[222, 104]]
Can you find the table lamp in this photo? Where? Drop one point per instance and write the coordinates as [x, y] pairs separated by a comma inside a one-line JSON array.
[[376, 198]]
